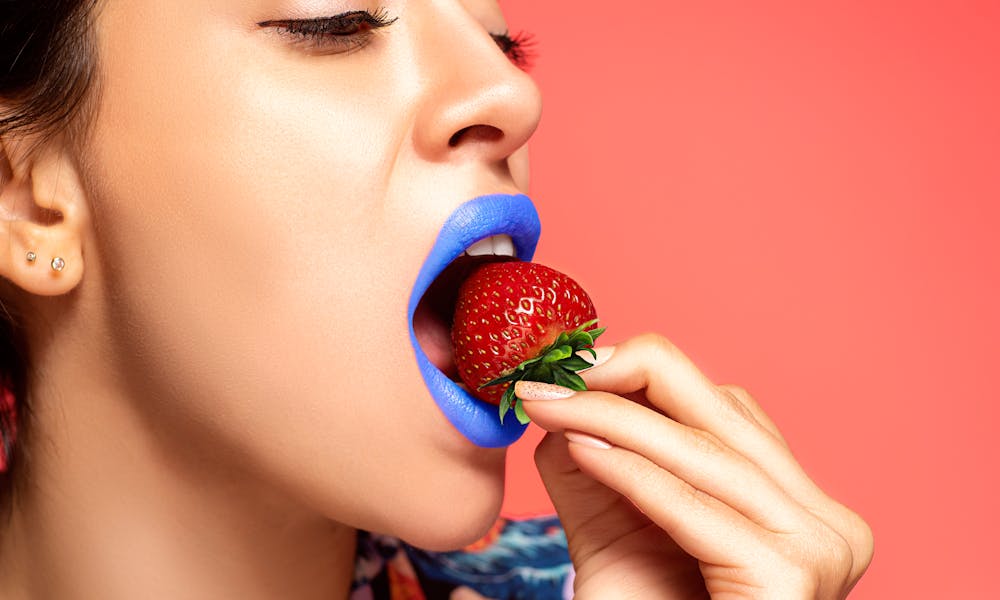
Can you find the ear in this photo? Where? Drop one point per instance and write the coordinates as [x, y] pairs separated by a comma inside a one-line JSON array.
[[44, 211]]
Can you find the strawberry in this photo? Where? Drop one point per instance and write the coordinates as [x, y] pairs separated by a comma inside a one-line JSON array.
[[520, 320]]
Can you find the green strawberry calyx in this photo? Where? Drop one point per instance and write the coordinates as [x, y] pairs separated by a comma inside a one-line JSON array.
[[556, 363]]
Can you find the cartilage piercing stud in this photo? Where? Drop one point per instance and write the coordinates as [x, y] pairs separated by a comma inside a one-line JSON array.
[[58, 264], [31, 256]]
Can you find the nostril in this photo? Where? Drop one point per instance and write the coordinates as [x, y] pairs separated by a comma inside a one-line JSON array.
[[482, 133]]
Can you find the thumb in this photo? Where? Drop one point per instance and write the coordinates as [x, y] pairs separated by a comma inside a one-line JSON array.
[[576, 496]]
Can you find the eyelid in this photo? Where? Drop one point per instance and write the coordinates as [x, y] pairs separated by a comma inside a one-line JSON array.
[[324, 25], [343, 32]]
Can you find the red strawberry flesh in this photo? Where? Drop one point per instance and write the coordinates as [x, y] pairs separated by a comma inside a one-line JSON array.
[[512, 312]]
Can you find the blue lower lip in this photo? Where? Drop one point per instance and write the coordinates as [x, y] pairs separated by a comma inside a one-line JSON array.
[[474, 220]]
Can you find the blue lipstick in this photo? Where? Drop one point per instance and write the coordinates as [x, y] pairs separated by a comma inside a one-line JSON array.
[[472, 221]]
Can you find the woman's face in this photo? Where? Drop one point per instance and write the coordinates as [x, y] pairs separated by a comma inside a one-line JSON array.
[[262, 201]]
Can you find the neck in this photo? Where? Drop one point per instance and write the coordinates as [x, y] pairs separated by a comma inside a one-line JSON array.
[[106, 513]]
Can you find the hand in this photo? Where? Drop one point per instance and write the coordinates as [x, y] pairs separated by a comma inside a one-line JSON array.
[[697, 495]]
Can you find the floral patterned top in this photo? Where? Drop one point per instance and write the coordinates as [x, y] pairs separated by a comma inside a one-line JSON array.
[[516, 560]]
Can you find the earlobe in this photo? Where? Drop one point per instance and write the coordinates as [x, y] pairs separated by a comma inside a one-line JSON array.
[[43, 216]]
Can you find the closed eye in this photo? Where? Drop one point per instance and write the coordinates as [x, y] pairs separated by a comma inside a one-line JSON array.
[[345, 32]]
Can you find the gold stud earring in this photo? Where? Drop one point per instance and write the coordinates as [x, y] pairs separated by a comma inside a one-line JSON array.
[[58, 264], [31, 256]]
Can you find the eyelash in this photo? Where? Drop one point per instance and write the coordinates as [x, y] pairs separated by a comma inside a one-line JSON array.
[[351, 31], [345, 32], [519, 48]]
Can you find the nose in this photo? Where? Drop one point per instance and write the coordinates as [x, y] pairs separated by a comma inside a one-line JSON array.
[[476, 104]]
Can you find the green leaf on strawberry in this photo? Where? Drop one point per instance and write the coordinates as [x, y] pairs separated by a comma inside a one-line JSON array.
[[556, 363]]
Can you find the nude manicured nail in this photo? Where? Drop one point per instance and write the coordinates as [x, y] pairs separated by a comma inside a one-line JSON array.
[[586, 440], [536, 390]]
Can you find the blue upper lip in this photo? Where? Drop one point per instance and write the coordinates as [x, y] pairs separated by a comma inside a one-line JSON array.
[[481, 217]]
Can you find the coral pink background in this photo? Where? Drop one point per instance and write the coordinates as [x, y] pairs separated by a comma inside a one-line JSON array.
[[806, 198]]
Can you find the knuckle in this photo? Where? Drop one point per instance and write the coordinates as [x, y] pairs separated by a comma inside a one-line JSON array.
[[817, 564], [751, 411], [862, 544], [804, 581], [840, 559], [739, 393], [705, 443], [792, 570], [855, 534], [657, 345], [832, 557], [731, 406], [694, 496]]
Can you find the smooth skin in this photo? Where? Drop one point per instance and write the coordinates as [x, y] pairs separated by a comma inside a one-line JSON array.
[[225, 390]]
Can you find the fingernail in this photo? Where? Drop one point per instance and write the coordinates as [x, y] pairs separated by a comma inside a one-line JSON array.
[[587, 440], [536, 390], [603, 354]]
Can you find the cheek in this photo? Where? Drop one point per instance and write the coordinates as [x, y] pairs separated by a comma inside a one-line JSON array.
[[245, 241], [240, 210]]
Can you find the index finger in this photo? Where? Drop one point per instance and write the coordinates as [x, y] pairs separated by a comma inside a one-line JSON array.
[[671, 382], [673, 385]]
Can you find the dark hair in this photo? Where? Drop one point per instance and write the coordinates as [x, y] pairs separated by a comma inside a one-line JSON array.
[[47, 65]]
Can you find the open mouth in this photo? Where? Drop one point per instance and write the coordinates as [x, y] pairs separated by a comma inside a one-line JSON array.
[[432, 319], [497, 227]]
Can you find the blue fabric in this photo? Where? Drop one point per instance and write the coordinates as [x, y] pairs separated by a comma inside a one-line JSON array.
[[527, 560]]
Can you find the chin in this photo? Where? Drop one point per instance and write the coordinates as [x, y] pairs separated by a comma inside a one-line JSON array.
[[454, 523]]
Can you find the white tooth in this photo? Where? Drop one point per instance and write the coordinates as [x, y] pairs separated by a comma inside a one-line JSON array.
[[503, 245], [483, 246]]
